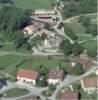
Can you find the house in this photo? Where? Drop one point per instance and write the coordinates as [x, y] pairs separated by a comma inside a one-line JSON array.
[[30, 29], [70, 95], [55, 76], [86, 62], [28, 76], [89, 84], [2, 83]]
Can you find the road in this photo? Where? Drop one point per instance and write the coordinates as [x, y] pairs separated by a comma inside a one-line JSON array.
[[32, 91], [60, 32], [75, 17]]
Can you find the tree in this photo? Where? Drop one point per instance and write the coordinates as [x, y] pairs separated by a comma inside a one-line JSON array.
[[69, 32], [70, 9], [47, 26], [78, 69], [27, 46], [41, 83], [85, 21], [53, 4], [81, 7], [12, 19], [61, 24], [43, 36], [52, 87], [65, 47], [92, 29], [1, 43], [6, 1], [77, 49], [19, 39]]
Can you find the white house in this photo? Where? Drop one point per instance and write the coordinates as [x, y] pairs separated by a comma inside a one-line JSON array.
[[55, 76], [89, 84], [28, 76]]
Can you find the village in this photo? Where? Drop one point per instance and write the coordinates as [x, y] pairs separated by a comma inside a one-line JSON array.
[[60, 81]]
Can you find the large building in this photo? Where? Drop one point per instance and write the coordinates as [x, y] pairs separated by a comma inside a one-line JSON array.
[[70, 95], [89, 84], [28, 76], [44, 12], [55, 76], [30, 29], [45, 16]]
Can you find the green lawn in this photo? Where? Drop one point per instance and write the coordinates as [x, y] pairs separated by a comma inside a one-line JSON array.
[[94, 16], [11, 64], [35, 62], [77, 27], [33, 4], [80, 29], [91, 47], [84, 38], [10, 61], [16, 92]]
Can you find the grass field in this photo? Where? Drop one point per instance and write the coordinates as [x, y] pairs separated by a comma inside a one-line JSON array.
[[84, 37], [11, 64], [80, 29], [77, 27], [33, 4], [16, 92], [35, 62], [91, 47], [9, 61]]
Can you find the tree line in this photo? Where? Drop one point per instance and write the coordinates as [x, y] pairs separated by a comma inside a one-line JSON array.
[[81, 7], [6, 1], [67, 48], [12, 21]]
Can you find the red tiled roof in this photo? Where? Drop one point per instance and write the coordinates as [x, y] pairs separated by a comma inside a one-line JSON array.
[[87, 63], [90, 82], [70, 95], [56, 74], [28, 74]]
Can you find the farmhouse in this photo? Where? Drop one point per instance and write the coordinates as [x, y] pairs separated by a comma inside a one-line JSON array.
[[28, 76], [30, 29], [89, 84], [86, 62], [70, 95], [55, 76]]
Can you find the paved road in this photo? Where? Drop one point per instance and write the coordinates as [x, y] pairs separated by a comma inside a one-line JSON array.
[[60, 32], [32, 91]]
